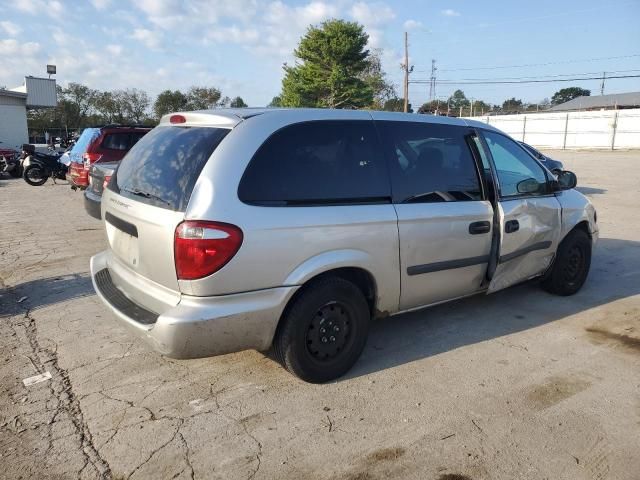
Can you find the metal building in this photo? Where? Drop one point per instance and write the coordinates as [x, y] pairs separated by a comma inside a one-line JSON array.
[[613, 101], [34, 93]]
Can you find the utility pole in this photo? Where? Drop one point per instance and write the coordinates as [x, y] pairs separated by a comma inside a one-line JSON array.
[[604, 75], [432, 82], [406, 72]]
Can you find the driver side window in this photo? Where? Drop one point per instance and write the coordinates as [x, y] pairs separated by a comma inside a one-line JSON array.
[[518, 173]]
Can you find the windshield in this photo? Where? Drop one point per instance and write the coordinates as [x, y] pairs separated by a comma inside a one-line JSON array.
[[162, 168], [88, 136]]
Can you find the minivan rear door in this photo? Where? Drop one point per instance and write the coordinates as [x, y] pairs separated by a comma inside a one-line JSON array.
[[148, 195], [529, 215]]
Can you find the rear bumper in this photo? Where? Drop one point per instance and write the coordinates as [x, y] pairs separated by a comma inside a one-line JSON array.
[[196, 326], [92, 204], [78, 176]]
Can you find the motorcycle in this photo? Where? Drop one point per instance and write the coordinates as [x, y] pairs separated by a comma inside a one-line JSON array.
[[9, 162], [11, 165], [38, 167]]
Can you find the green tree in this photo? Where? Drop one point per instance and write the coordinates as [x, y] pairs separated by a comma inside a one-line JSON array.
[[238, 102], [135, 104], [331, 68], [78, 101], [569, 93], [275, 101], [395, 104], [480, 107], [374, 76], [458, 99], [203, 98], [432, 107], [512, 105], [170, 101]]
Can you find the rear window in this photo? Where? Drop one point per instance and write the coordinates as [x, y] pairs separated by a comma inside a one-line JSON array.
[[162, 168], [116, 141], [318, 163]]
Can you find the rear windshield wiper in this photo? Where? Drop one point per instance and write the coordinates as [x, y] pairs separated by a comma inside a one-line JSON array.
[[140, 193]]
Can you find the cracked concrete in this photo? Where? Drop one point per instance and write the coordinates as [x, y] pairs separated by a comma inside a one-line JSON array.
[[516, 385]]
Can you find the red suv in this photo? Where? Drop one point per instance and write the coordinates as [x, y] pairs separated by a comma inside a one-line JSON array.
[[100, 144]]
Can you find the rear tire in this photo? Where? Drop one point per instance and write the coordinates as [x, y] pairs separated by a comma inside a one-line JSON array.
[[571, 266], [16, 172], [35, 175], [323, 332]]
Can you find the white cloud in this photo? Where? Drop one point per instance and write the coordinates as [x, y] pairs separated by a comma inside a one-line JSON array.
[[101, 4], [450, 13], [412, 25], [11, 46], [234, 34], [149, 38], [10, 28], [114, 49], [53, 8], [372, 14]]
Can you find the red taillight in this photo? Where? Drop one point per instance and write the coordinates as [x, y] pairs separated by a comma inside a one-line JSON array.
[[177, 119], [202, 248], [105, 182], [91, 158]]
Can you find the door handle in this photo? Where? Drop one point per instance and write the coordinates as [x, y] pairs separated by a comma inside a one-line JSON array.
[[511, 226], [477, 228]]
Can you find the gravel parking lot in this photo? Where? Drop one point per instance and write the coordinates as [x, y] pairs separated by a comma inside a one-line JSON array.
[[517, 385]]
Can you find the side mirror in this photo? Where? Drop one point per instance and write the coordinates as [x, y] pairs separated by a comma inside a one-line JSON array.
[[567, 180], [529, 185]]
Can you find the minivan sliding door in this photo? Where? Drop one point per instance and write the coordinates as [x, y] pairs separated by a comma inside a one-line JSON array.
[[444, 219]]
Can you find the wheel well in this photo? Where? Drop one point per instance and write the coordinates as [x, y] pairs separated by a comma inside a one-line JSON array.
[[358, 276], [584, 226]]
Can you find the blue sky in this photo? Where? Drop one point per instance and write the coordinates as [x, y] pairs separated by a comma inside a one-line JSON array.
[[240, 45]]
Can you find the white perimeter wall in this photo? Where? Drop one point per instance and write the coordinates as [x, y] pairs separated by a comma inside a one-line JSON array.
[[611, 129], [13, 125]]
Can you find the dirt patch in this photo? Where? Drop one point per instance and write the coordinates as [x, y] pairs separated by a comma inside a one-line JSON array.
[[453, 476], [376, 465], [600, 335], [554, 390], [385, 455]]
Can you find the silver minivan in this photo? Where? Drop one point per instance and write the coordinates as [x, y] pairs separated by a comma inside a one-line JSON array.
[[293, 229]]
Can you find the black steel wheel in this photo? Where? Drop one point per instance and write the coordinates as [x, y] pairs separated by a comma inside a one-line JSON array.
[[35, 175], [323, 331], [571, 266]]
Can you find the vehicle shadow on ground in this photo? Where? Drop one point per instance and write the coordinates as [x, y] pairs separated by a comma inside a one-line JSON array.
[[44, 292], [591, 191], [394, 341]]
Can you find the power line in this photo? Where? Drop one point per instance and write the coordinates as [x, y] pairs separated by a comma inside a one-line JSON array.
[[466, 69], [491, 82], [536, 77]]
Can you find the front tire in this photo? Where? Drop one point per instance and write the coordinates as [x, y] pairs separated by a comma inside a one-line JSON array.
[[34, 175], [324, 330], [571, 266]]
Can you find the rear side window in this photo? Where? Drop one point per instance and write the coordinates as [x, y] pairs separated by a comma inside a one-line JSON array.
[[116, 141], [430, 162], [162, 168], [135, 137], [318, 163]]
